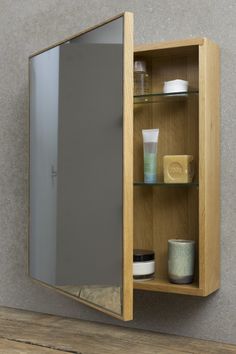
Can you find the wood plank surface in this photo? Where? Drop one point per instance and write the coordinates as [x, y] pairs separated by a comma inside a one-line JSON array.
[[163, 285], [168, 44], [209, 168], [29, 332], [128, 169], [8, 346]]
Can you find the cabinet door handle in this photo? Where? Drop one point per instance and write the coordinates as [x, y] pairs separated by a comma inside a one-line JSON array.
[[53, 172]]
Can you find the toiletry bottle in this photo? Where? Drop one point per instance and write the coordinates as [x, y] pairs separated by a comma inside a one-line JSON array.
[[141, 78], [150, 140]]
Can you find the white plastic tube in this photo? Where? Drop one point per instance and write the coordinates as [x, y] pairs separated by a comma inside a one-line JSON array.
[[150, 140]]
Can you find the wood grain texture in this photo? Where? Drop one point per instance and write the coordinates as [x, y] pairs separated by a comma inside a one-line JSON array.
[[128, 169], [187, 127], [11, 346], [64, 335], [169, 44], [209, 151], [163, 285], [165, 213], [143, 220]]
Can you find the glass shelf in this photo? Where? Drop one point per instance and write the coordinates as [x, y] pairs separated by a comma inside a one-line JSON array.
[[160, 96], [167, 185]]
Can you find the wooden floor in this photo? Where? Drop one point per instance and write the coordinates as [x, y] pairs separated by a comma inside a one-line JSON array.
[[29, 332]]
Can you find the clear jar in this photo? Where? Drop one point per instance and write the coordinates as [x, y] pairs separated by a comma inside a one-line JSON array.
[[141, 78]]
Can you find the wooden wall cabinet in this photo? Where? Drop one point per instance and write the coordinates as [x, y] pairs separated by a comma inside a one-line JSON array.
[[189, 124], [145, 216]]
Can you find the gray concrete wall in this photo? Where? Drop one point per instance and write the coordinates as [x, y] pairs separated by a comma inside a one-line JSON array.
[[29, 25]]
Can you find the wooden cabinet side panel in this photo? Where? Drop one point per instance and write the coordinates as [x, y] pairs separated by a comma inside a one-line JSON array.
[[209, 171], [128, 169]]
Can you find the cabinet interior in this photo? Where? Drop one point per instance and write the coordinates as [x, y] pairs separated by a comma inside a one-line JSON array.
[[166, 211]]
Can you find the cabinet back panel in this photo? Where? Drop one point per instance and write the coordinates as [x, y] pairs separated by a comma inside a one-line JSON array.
[[162, 213], [143, 218], [172, 219]]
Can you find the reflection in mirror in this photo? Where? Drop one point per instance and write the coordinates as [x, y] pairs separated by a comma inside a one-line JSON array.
[[76, 190]]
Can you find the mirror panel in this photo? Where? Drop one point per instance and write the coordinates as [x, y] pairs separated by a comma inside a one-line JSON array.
[[76, 167]]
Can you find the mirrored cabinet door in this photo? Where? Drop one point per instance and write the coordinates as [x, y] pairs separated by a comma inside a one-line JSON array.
[[81, 161]]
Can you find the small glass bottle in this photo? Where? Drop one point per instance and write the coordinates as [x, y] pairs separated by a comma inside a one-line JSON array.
[[141, 78]]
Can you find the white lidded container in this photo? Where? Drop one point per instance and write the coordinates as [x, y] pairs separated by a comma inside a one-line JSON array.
[[174, 86], [143, 264]]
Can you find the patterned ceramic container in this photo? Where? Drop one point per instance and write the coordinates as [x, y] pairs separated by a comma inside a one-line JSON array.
[[181, 255]]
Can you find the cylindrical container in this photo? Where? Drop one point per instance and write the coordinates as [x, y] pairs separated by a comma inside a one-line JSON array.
[[181, 255], [141, 78], [150, 139], [143, 264]]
